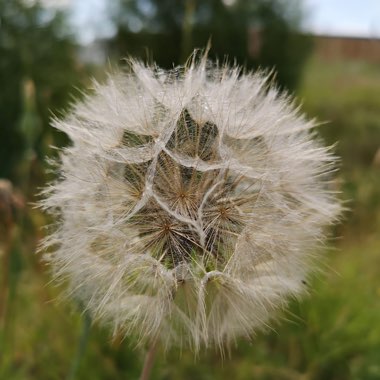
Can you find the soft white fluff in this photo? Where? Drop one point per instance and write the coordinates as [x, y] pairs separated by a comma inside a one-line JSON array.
[[189, 203]]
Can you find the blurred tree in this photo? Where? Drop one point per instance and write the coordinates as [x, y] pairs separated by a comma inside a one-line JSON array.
[[260, 33], [37, 71]]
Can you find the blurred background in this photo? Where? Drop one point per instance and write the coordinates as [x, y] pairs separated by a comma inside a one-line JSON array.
[[325, 51]]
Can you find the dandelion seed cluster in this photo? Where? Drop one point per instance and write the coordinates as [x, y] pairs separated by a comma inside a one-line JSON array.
[[189, 203]]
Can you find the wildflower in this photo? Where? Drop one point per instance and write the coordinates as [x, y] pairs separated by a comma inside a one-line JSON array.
[[189, 203]]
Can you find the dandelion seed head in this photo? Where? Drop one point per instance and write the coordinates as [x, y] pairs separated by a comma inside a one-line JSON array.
[[189, 203]]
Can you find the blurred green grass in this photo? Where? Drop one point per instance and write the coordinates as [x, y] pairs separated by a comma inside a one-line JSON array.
[[333, 334], [346, 96]]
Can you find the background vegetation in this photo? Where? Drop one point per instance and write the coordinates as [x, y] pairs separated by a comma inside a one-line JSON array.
[[332, 335]]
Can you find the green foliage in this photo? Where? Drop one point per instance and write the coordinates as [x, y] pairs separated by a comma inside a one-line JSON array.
[[169, 30], [332, 335], [346, 96], [37, 73]]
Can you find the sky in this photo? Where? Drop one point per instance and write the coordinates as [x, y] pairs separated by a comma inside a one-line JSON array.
[[336, 17], [343, 17]]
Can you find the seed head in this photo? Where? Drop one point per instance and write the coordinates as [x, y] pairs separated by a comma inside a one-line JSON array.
[[189, 202]]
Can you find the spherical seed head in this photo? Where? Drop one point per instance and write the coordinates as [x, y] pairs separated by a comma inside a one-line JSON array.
[[189, 202]]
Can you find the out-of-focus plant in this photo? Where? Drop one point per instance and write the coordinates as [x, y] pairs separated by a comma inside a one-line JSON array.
[[354, 122], [263, 33], [10, 201], [37, 69]]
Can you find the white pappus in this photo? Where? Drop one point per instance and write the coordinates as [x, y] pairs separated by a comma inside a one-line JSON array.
[[189, 204]]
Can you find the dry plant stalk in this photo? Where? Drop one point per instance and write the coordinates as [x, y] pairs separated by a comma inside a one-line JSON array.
[[189, 204], [10, 201]]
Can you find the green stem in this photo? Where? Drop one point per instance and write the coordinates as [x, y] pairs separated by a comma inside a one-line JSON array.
[[81, 346]]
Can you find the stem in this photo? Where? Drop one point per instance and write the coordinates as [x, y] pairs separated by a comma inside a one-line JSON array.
[[81, 347], [187, 30], [4, 287], [149, 360]]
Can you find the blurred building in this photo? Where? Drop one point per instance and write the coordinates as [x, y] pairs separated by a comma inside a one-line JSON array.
[[328, 48], [331, 48]]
